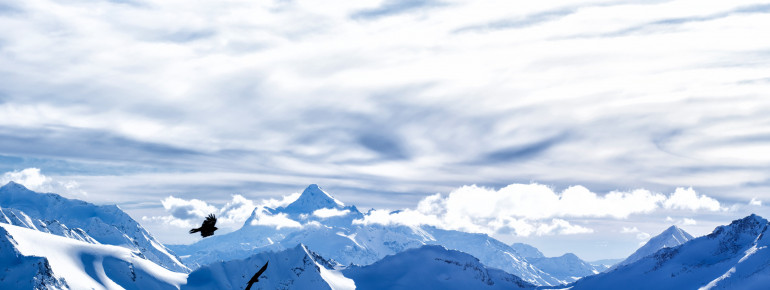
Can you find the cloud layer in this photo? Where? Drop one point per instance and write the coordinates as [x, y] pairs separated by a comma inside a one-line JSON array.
[[629, 94], [518, 209], [528, 209]]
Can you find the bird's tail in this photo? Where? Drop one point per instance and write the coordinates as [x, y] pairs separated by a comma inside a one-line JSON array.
[[195, 230]]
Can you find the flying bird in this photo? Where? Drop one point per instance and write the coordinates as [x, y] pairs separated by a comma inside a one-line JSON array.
[[208, 227], [256, 276]]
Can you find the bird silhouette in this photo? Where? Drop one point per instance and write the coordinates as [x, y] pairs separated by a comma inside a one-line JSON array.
[[207, 228], [255, 278]]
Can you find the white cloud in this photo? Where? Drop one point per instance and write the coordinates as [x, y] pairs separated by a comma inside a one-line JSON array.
[[626, 230], [34, 180], [682, 221], [284, 201], [634, 230], [187, 209], [330, 212], [185, 213], [536, 201], [562, 227], [237, 210], [279, 221], [526, 209], [755, 201], [687, 198]]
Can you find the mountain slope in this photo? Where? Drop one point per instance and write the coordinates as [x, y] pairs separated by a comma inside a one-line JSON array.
[[671, 237], [731, 257], [295, 268], [45, 261], [76, 219], [432, 267], [331, 232]]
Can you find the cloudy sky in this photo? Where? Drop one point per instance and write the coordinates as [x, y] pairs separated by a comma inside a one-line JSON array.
[[580, 126]]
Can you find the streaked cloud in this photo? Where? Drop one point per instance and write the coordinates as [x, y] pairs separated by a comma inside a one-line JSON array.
[[388, 101]]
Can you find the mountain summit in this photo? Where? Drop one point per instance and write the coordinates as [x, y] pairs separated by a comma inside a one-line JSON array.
[[312, 198], [671, 237]]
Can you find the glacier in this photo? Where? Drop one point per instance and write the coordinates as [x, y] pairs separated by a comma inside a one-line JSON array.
[[38, 260]]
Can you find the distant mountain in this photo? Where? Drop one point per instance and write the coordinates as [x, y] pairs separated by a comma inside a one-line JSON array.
[[605, 264], [671, 237], [295, 268], [527, 251], [731, 257], [567, 268], [324, 224], [79, 220], [33, 259], [432, 267]]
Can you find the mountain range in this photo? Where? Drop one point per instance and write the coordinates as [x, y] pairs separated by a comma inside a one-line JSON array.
[[318, 242], [327, 226]]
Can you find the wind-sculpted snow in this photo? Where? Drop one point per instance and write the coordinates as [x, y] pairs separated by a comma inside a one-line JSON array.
[[731, 257], [335, 236], [79, 220], [24, 272], [432, 267], [37, 260], [294, 268]]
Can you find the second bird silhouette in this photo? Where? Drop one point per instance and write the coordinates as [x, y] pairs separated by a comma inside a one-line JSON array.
[[255, 278], [207, 228]]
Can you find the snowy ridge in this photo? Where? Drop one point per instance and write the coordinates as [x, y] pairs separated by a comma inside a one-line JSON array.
[[432, 267], [671, 237], [339, 239], [295, 268], [734, 256], [79, 220], [47, 261]]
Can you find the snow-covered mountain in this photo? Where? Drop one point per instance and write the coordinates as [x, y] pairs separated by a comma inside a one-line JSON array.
[[731, 257], [326, 225], [33, 259], [671, 237], [432, 267], [605, 264], [567, 268], [294, 268], [79, 220]]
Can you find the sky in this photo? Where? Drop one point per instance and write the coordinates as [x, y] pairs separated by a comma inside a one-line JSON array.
[[575, 126]]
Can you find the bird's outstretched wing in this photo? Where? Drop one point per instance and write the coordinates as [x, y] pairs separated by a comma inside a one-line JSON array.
[[255, 278], [210, 221]]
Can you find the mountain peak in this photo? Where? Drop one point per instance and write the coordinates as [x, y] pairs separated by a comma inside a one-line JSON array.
[[311, 199], [671, 237], [13, 185], [751, 225]]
